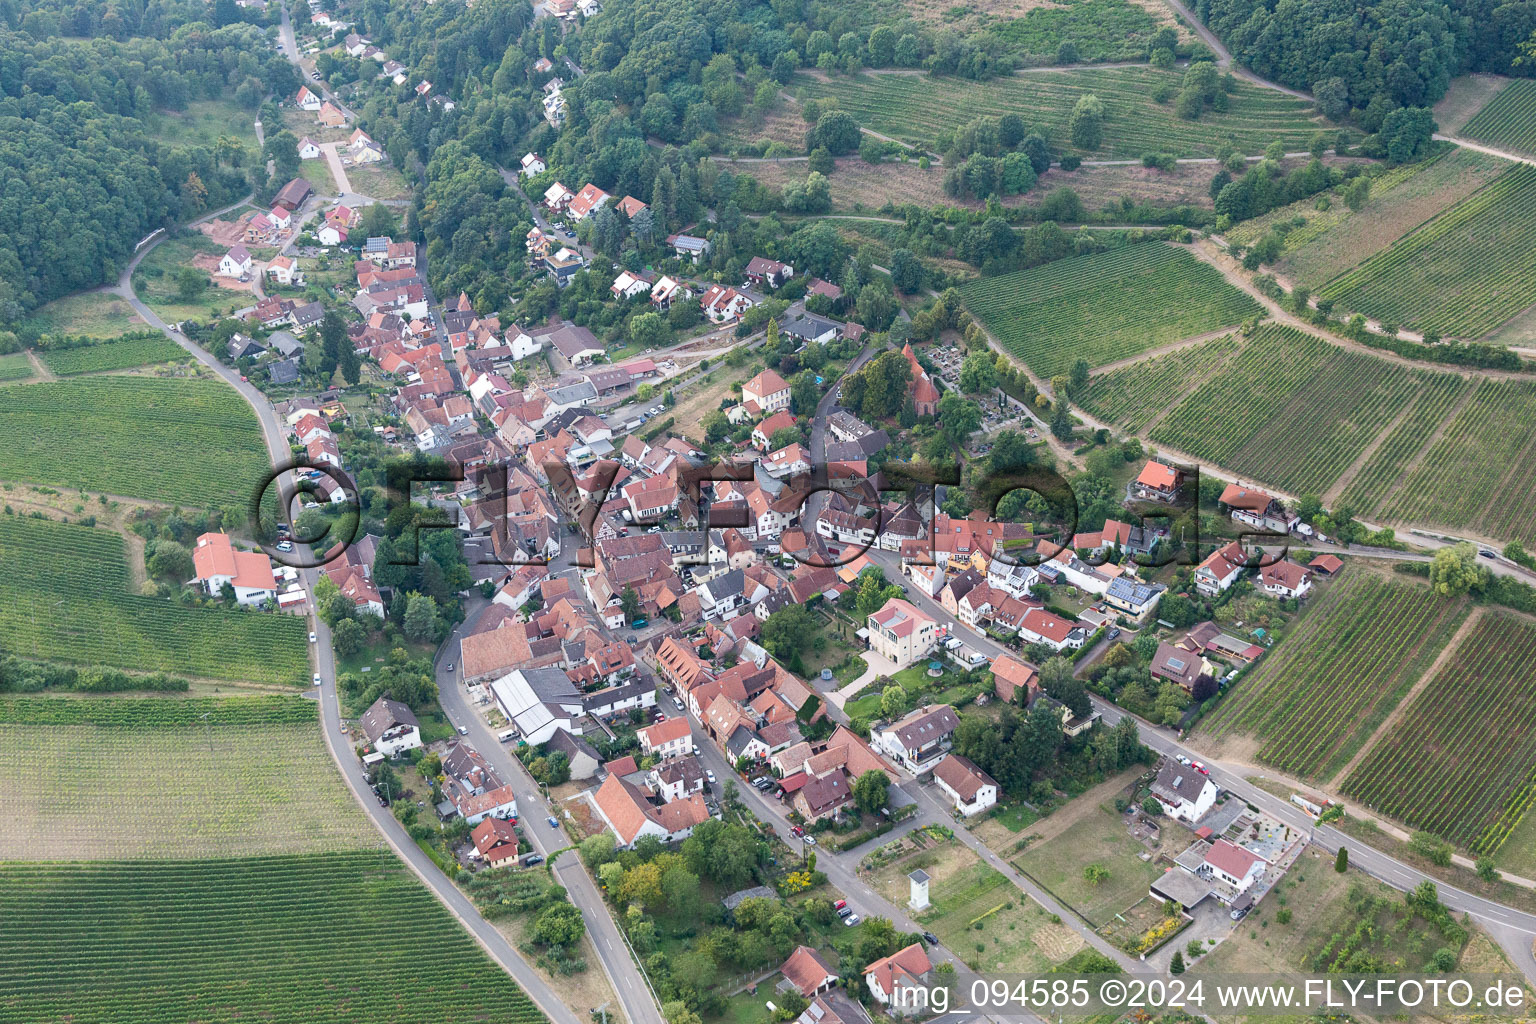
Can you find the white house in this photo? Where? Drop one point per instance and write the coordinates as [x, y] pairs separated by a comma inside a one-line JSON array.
[[1234, 865], [672, 738], [967, 786], [236, 263], [1184, 793], [391, 727]]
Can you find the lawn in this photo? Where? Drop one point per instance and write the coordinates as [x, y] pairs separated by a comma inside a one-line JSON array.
[[917, 108], [292, 938], [978, 914], [67, 599], [155, 281], [131, 436], [1105, 306], [144, 348], [91, 313], [1098, 838], [102, 791]]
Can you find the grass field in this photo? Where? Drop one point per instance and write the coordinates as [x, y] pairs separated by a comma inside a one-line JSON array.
[[1105, 306], [92, 313], [1336, 240], [1291, 409], [1132, 396], [142, 349], [1323, 692], [1479, 472], [106, 791], [917, 109], [1463, 273], [15, 366], [1460, 762], [1509, 119], [1099, 838], [341, 937], [131, 436], [67, 598], [155, 281]]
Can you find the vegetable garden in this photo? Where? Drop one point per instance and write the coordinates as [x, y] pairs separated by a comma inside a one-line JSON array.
[[133, 778], [1509, 119], [132, 436], [142, 349], [1461, 763], [1105, 306], [1330, 685], [339, 937], [1132, 396], [1463, 273], [1291, 409], [67, 598], [916, 108]]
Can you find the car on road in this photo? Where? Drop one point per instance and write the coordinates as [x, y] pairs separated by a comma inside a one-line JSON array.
[[808, 840], [930, 938], [317, 678], [552, 822], [463, 730], [1202, 769], [851, 920], [311, 637], [709, 774]]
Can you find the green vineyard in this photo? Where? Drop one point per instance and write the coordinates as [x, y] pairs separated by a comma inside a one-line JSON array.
[[340, 938], [1480, 472], [1509, 119], [1323, 692], [111, 779], [1132, 396], [15, 366], [1461, 762], [916, 108], [1463, 273], [1291, 409], [67, 598], [134, 436], [143, 349], [1105, 306]]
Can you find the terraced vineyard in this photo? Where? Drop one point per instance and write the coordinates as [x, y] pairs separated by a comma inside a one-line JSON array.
[[1105, 306], [1291, 409], [118, 778], [1326, 689], [1480, 473], [1462, 759], [1509, 119], [1463, 274], [132, 436], [916, 109], [131, 350], [336, 937], [1132, 396], [15, 366], [67, 598]]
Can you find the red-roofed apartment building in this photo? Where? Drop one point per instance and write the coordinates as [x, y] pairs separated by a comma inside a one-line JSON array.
[[901, 633], [248, 572]]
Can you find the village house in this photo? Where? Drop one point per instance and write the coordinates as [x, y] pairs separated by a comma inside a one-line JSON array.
[[901, 633], [967, 786], [391, 727]]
